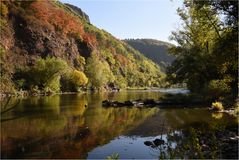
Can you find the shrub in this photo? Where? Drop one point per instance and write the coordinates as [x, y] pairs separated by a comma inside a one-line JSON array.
[[217, 106], [79, 78], [236, 111], [218, 88], [3, 10], [73, 81], [80, 62], [108, 56]]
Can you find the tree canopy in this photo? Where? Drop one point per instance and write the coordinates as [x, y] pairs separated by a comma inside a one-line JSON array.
[[207, 51]]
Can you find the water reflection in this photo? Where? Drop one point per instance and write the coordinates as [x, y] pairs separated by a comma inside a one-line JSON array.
[[67, 126], [176, 133], [76, 126]]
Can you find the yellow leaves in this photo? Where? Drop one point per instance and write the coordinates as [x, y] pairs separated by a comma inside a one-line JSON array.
[[3, 9], [217, 115], [217, 106], [73, 81], [79, 78], [81, 60]]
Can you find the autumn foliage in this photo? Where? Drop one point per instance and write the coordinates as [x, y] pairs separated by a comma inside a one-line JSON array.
[[90, 38], [48, 33], [122, 59], [61, 20], [49, 13]]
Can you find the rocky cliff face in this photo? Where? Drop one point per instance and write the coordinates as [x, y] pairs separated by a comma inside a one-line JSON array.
[[35, 37], [36, 29], [78, 11]]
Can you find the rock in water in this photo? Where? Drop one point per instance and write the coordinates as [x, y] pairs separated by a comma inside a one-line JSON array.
[[106, 103], [129, 103], [158, 142], [148, 143]]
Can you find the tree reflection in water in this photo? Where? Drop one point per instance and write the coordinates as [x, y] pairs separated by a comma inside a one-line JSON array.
[[71, 126], [199, 141], [65, 127]]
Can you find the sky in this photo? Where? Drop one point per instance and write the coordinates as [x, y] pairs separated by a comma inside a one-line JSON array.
[[125, 19]]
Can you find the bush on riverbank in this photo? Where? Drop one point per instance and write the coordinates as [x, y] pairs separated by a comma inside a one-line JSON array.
[[73, 81], [217, 106], [44, 75]]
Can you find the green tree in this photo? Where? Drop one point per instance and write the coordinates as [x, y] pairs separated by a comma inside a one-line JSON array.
[[99, 72], [46, 73], [207, 50]]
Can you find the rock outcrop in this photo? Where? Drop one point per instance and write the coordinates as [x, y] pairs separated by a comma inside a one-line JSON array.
[[78, 11]]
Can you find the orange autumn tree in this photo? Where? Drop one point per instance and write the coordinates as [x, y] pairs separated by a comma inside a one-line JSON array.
[[49, 13]]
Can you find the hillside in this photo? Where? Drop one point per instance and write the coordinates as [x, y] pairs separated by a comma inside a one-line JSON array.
[[153, 49], [49, 46]]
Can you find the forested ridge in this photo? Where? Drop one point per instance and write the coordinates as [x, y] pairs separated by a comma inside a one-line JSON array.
[[157, 51], [47, 46]]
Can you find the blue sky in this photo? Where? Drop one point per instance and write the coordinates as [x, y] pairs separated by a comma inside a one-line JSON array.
[[132, 18]]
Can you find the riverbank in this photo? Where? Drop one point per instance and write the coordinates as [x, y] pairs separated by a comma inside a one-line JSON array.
[[172, 98], [29, 94], [151, 103], [24, 93], [173, 101]]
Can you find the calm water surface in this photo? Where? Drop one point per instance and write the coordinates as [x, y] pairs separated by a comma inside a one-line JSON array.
[[77, 126]]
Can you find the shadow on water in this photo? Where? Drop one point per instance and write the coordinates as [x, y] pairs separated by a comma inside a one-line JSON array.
[[177, 133], [77, 126], [198, 141]]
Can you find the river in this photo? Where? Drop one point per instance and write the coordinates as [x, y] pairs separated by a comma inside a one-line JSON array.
[[77, 126]]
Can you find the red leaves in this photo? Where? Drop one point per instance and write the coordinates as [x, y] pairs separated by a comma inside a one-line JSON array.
[[122, 59], [90, 38], [49, 13]]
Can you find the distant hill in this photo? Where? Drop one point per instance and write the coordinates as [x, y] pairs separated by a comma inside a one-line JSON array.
[[153, 49]]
